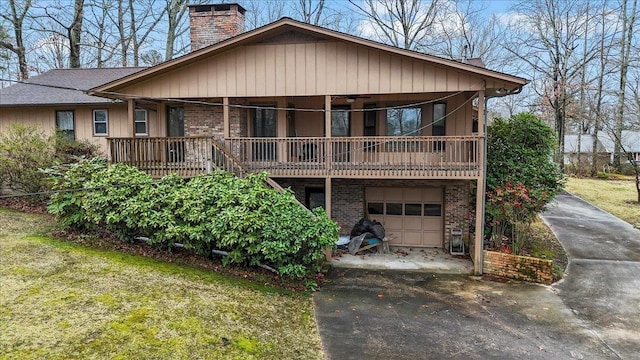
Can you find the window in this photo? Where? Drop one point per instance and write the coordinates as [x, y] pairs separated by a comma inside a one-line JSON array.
[[404, 122], [65, 124], [374, 208], [340, 121], [439, 119], [175, 121], [413, 209], [432, 210], [394, 209], [100, 122], [140, 117], [315, 198], [370, 120], [264, 124], [439, 126]]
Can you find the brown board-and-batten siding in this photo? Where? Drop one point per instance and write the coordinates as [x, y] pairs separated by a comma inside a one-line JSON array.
[[306, 69]]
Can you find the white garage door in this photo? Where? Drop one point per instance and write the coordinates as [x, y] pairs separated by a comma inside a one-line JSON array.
[[411, 216]]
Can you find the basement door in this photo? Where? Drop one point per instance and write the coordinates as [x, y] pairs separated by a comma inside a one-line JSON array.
[[411, 216]]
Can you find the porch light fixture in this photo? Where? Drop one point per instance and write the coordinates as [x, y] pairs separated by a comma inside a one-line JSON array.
[[350, 99]]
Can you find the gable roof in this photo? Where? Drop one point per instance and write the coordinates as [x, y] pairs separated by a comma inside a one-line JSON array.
[[58, 79], [285, 25]]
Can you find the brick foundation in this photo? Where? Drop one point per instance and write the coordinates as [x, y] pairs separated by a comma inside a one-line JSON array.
[[518, 267]]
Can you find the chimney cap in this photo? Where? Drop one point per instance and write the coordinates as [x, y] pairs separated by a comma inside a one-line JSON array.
[[217, 7]]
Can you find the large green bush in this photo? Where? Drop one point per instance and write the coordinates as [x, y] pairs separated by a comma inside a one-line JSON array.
[[520, 151], [24, 150], [521, 176], [252, 222]]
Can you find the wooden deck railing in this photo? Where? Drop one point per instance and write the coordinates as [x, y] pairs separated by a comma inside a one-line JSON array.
[[185, 156], [364, 157], [395, 157]]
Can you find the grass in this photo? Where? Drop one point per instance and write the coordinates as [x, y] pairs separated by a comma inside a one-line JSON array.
[[61, 300], [617, 197]]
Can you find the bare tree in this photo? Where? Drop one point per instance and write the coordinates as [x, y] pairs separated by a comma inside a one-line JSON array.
[[261, 12], [15, 16], [548, 44], [626, 38], [54, 19], [466, 33], [99, 30], [604, 43], [175, 10], [311, 12], [401, 23]]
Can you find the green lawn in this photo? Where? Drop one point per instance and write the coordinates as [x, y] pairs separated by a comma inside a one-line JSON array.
[[617, 197], [62, 300]]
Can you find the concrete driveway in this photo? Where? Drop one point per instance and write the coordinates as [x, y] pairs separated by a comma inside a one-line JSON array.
[[593, 314], [602, 282]]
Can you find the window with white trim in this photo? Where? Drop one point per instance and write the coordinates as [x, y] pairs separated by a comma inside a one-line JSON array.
[[65, 124], [141, 123], [100, 122]]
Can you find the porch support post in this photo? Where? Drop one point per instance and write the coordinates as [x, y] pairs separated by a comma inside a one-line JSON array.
[[281, 127], [225, 118], [327, 202], [162, 119], [327, 133], [131, 105], [478, 249]]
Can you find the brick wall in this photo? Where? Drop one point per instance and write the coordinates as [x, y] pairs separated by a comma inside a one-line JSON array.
[[208, 120], [203, 120], [348, 200], [210, 24], [518, 267]]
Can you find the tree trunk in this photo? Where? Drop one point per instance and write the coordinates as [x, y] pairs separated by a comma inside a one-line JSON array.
[[75, 31], [625, 48], [16, 19]]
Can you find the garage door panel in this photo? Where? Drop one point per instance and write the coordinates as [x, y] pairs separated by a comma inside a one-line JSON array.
[[432, 224], [413, 238], [432, 239], [374, 194], [432, 195], [413, 223], [395, 195]]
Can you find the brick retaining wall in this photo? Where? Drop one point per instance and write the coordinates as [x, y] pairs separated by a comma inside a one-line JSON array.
[[518, 267]]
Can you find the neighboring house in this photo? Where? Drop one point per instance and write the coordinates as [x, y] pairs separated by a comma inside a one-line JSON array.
[[605, 143], [71, 112], [358, 127]]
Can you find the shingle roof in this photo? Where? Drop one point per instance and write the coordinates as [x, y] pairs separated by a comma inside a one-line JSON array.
[[83, 79]]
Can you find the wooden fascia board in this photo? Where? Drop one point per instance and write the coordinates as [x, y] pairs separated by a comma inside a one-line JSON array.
[[286, 24]]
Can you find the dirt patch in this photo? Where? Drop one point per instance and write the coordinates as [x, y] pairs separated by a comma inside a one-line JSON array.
[[25, 204]]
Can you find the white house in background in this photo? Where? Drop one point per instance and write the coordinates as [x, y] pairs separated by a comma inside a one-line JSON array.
[[582, 146]]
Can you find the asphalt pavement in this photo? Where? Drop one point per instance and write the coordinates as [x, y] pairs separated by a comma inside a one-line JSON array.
[[594, 313]]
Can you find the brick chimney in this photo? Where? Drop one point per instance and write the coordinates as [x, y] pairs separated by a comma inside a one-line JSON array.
[[210, 24]]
